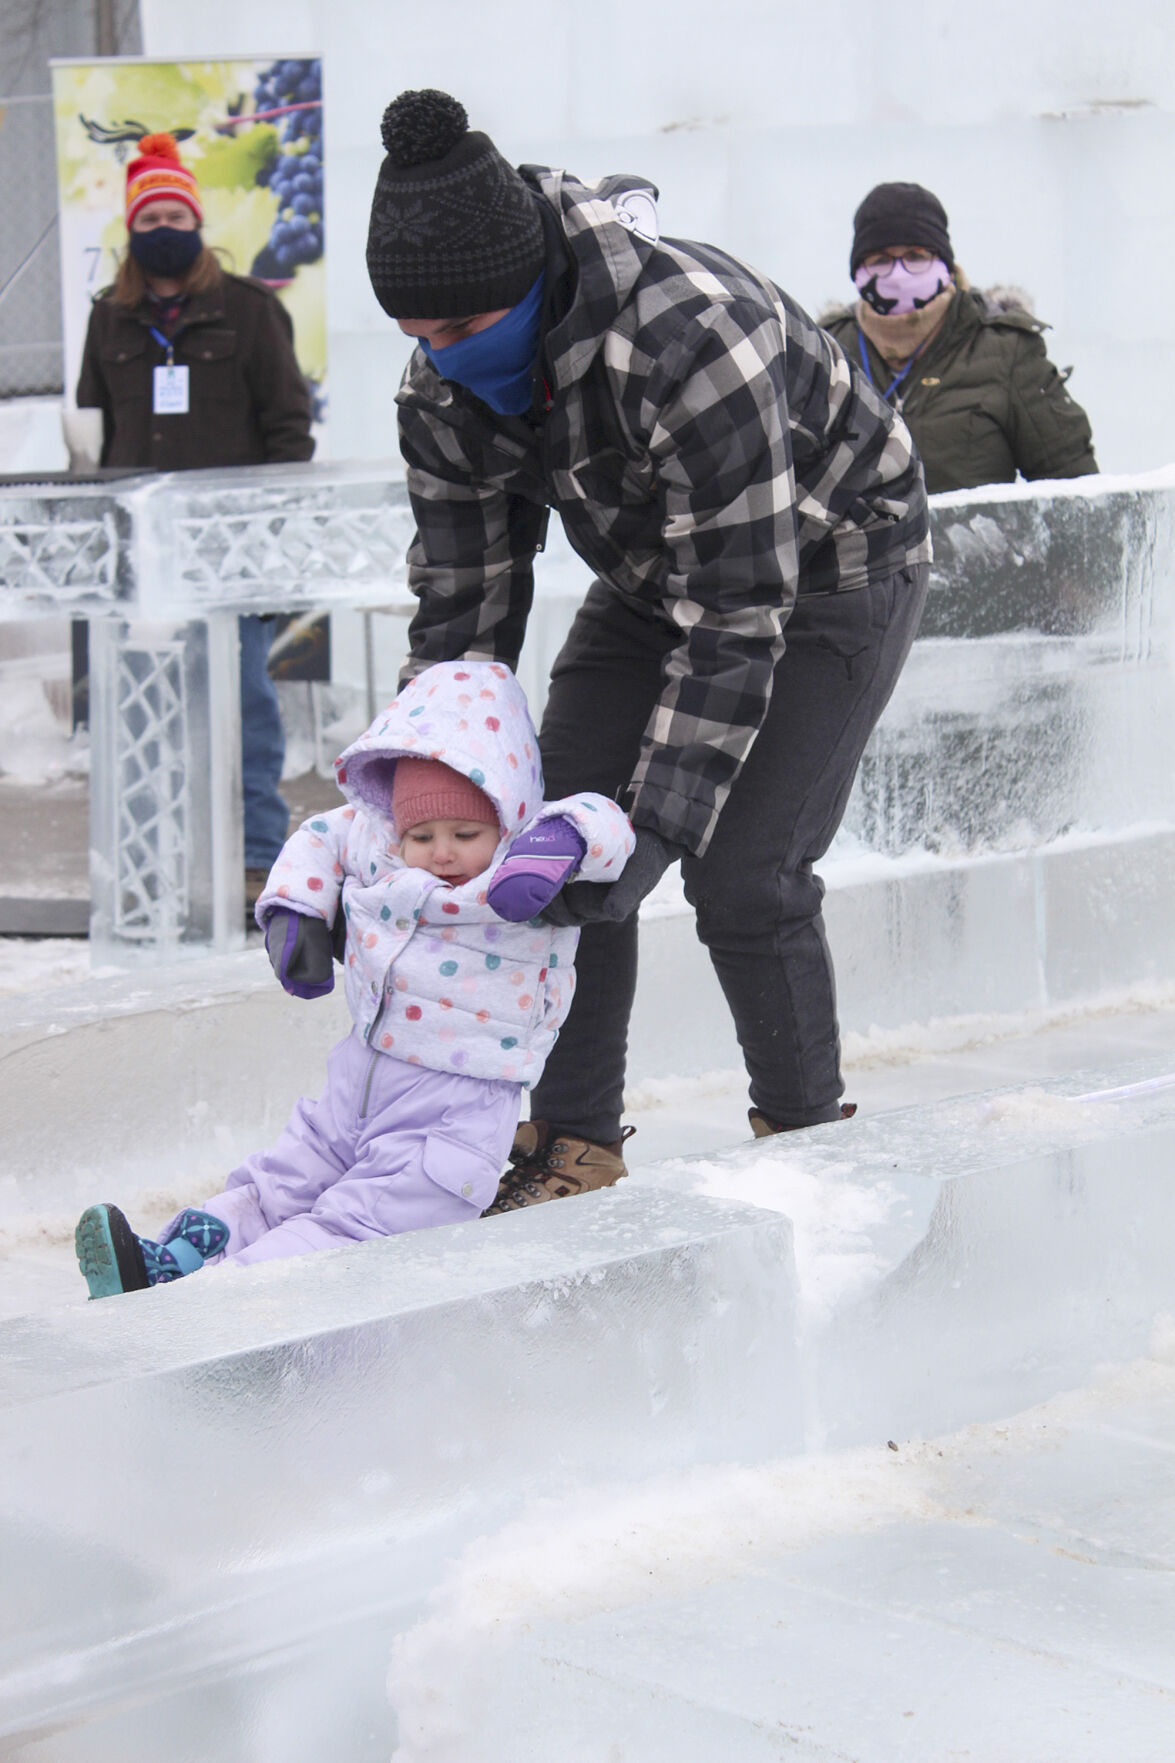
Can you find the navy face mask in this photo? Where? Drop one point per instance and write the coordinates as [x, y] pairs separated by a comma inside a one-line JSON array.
[[166, 250], [497, 364]]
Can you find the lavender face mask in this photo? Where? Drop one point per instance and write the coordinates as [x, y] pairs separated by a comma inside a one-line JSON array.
[[898, 289]]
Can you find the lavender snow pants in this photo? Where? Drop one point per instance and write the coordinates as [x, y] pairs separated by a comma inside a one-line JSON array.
[[387, 1147]]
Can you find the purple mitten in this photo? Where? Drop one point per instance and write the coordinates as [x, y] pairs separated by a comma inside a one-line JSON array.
[[299, 950], [539, 861]]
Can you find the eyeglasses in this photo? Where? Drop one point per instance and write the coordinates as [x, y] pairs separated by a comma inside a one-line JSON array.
[[912, 260]]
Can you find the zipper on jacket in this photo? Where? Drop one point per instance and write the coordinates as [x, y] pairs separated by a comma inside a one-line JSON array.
[[369, 1032], [369, 1039], [367, 1085]]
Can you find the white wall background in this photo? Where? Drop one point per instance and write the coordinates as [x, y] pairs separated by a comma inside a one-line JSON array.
[[1047, 128]]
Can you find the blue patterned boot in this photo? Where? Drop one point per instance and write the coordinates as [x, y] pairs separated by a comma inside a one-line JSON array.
[[193, 1239]]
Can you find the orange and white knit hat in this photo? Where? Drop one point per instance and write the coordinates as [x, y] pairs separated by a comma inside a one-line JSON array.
[[157, 175]]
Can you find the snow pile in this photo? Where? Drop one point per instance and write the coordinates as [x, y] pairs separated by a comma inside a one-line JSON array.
[[676, 1093], [151, 1208], [960, 1034], [35, 743], [834, 1215], [1038, 1110], [876, 1047], [31, 964], [572, 1559]]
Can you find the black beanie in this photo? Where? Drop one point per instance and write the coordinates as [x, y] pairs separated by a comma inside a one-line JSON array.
[[900, 214], [454, 230]]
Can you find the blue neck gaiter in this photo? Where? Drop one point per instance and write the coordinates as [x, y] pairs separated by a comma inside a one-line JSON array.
[[497, 364]]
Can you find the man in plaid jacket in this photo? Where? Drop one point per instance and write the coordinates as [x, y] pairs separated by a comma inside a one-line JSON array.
[[755, 517]]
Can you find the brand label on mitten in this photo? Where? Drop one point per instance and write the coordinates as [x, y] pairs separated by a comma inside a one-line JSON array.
[[171, 391]]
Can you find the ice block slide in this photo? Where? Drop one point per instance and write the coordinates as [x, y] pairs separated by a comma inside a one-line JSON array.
[[974, 1558], [223, 1498], [1005, 1595]]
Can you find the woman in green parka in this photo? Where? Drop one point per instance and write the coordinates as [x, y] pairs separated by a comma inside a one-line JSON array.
[[968, 370]]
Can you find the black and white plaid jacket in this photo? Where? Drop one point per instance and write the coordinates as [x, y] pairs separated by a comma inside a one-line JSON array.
[[710, 452]]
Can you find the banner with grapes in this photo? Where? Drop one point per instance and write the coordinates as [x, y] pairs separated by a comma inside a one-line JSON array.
[[251, 131]]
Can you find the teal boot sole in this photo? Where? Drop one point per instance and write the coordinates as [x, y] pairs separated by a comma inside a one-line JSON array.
[[108, 1253]]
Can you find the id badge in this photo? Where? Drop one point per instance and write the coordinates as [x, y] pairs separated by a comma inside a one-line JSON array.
[[171, 391]]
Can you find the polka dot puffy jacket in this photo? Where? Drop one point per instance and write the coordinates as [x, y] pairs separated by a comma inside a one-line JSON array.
[[432, 975]]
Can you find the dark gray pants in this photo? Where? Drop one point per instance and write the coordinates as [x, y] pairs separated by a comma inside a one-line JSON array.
[[756, 898]]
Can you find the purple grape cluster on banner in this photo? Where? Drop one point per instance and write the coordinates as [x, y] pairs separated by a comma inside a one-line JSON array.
[[289, 94]]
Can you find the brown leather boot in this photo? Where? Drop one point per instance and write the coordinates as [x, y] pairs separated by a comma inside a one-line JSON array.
[[767, 1129], [255, 880], [548, 1164]]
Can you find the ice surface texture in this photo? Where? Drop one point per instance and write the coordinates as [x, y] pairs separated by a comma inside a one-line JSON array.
[[982, 1568], [1039, 698], [1003, 1593], [255, 1460]]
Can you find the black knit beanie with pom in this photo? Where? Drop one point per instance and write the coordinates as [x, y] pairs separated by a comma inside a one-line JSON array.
[[454, 230]]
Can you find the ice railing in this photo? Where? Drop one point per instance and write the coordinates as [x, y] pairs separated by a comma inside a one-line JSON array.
[[1038, 698]]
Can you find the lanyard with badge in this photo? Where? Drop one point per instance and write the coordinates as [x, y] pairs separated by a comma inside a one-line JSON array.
[[171, 382], [894, 383]]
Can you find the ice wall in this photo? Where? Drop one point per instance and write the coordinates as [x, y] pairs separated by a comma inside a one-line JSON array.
[[1047, 131], [1040, 695], [222, 1498], [1011, 835], [973, 1556]]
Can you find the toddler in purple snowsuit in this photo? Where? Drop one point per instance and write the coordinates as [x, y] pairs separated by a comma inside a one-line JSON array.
[[439, 864]]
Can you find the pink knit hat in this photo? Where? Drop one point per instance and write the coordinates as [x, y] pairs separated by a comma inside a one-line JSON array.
[[427, 789]]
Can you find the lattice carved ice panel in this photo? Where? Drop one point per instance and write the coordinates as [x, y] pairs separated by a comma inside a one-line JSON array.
[[325, 552], [152, 859], [62, 561]]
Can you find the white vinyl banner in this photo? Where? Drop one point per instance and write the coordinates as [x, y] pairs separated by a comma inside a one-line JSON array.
[[250, 131]]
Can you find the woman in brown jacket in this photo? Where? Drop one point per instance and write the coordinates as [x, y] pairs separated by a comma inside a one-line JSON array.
[[192, 367]]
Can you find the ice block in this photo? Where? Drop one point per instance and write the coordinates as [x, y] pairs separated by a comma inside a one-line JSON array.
[[212, 1487]]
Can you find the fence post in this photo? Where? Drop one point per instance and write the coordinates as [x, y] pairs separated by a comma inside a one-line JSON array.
[[166, 846]]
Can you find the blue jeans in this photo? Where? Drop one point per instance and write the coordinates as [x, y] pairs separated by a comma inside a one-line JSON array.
[[263, 748]]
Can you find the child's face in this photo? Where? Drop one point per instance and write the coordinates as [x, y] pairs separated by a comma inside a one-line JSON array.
[[455, 850]]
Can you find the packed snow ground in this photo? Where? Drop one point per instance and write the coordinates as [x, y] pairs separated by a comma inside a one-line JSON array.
[[676, 1118], [1002, 1594]]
